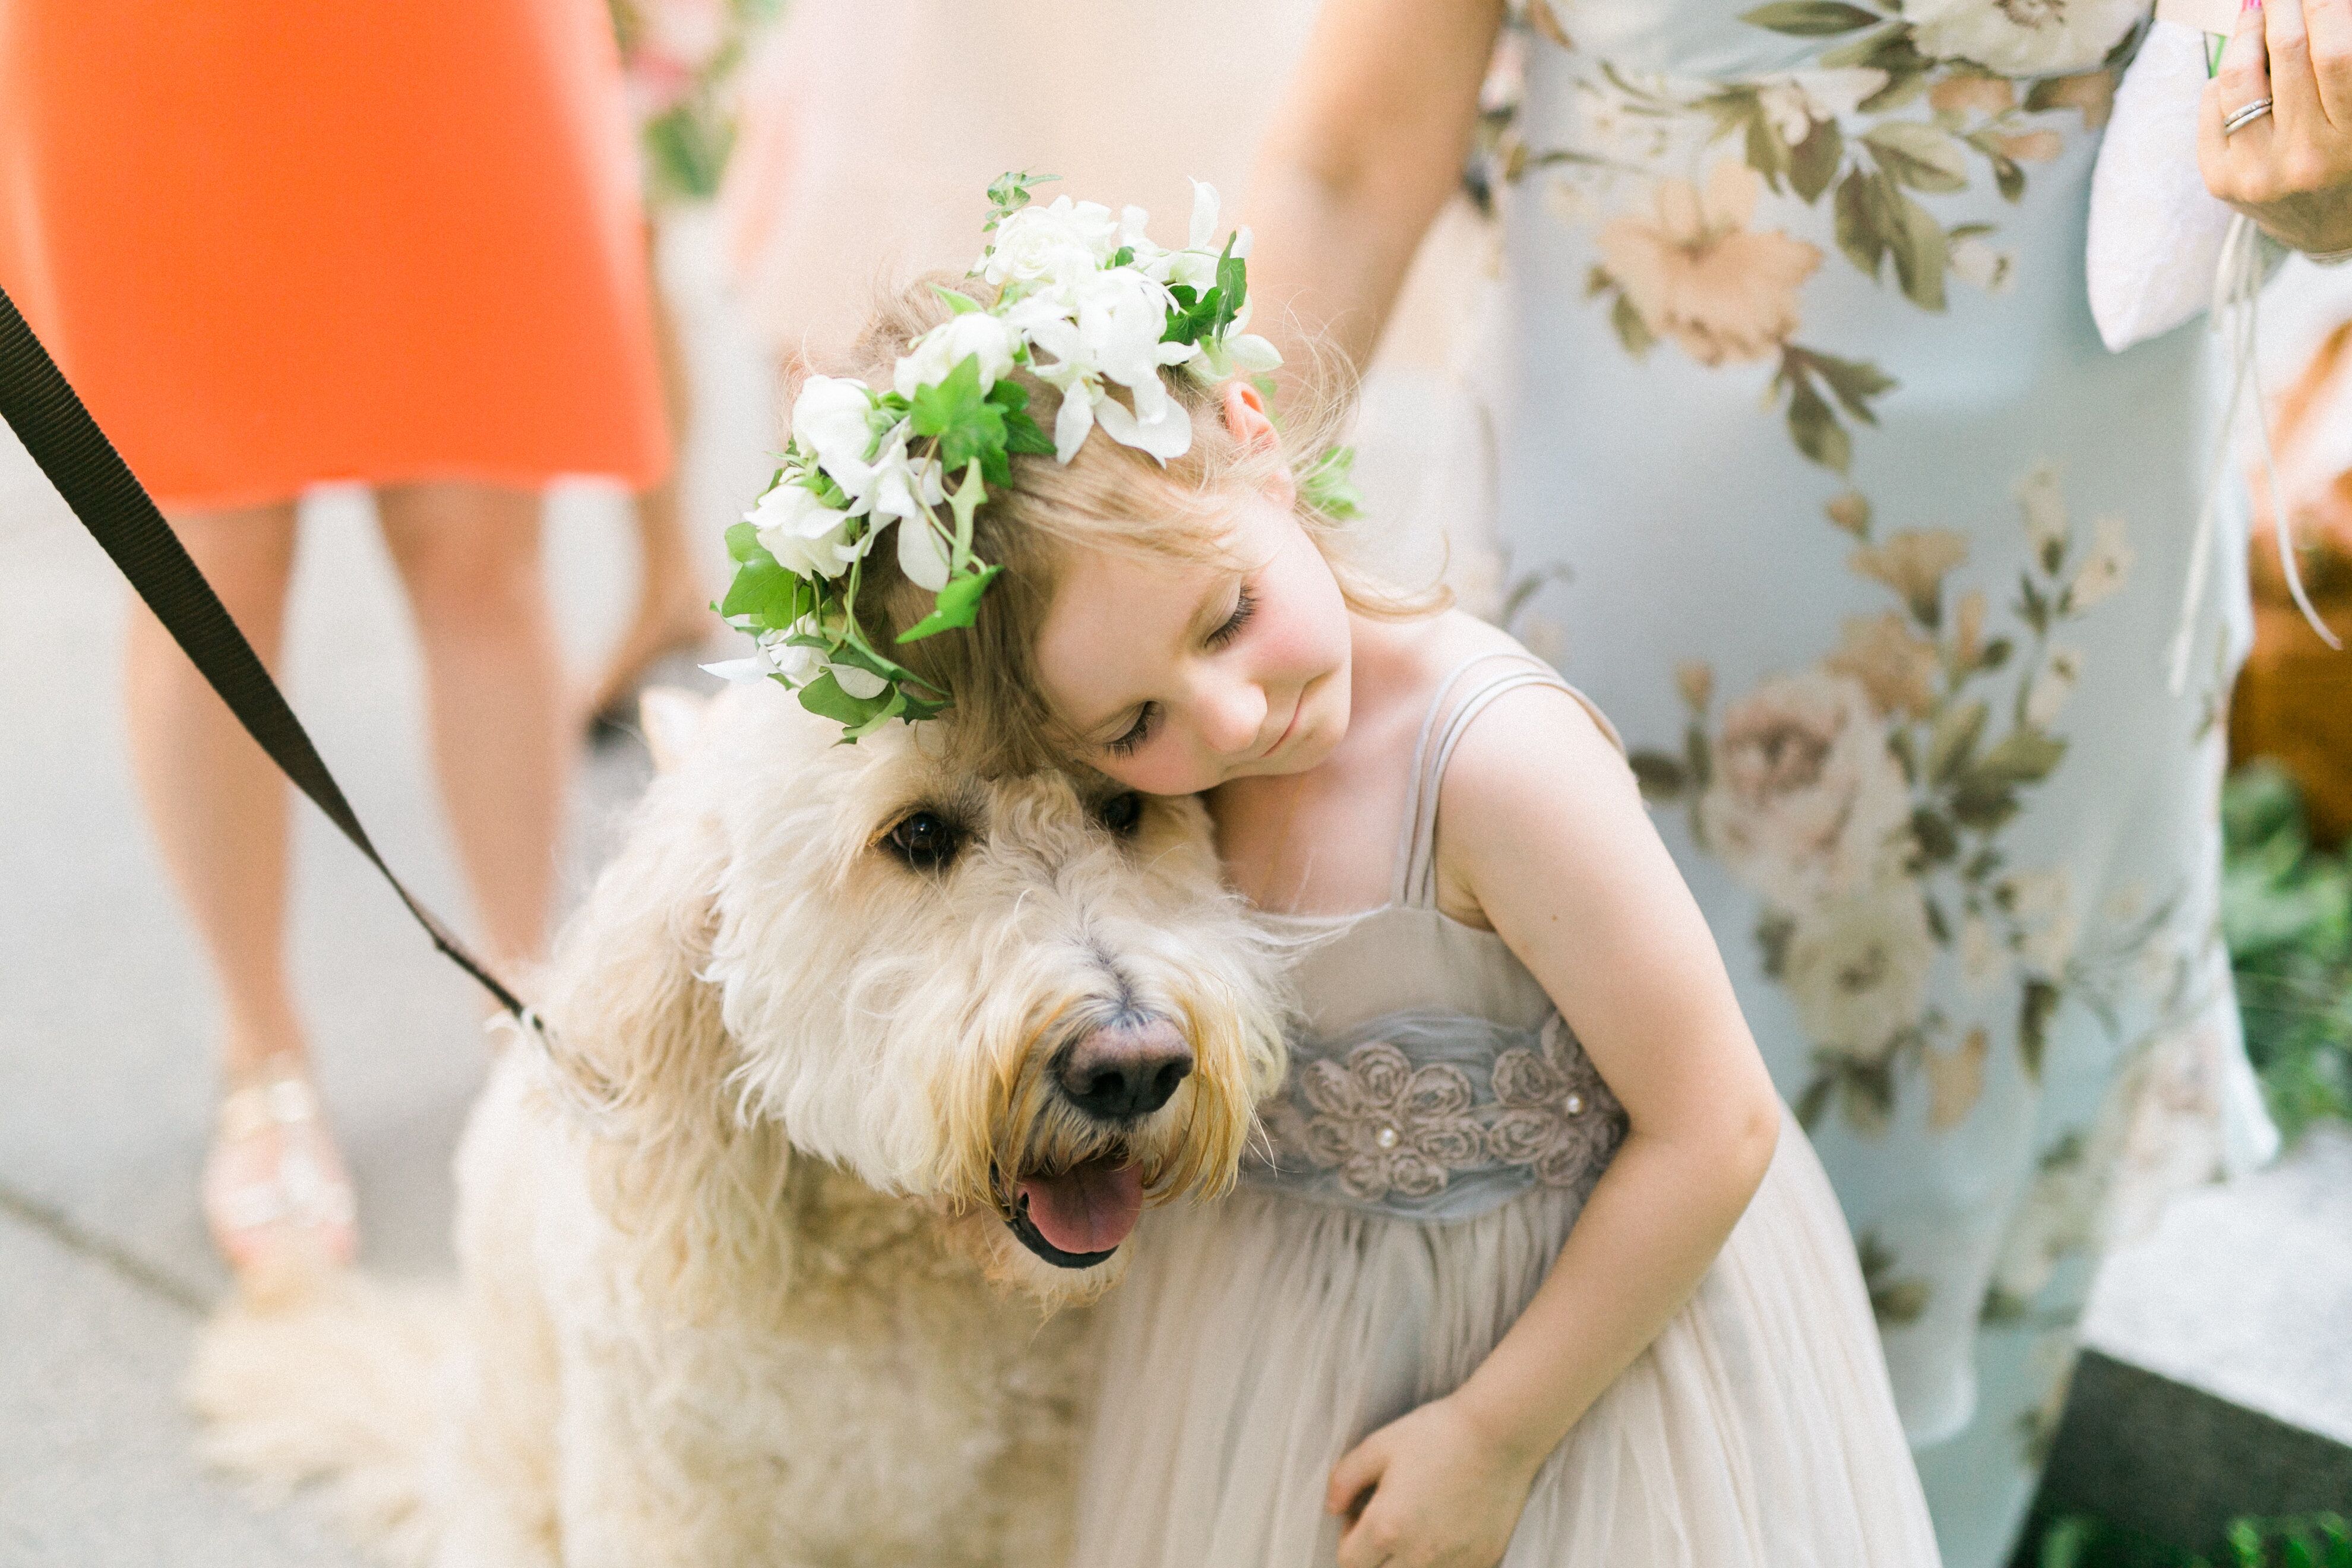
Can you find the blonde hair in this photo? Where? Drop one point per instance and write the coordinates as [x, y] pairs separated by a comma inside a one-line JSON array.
[[1107, 497]]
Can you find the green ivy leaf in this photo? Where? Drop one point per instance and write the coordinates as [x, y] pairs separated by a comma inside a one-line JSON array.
[[958, 304], [825, 697], [1009, 193], [966, 425], [743, 542], [894, 708], [1810, 18], [959, 606], [1233, 283], [772, 597], [1329, 484], [1022, 432]]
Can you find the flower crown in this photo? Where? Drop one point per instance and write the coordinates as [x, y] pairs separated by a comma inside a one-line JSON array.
[[1085, 303]]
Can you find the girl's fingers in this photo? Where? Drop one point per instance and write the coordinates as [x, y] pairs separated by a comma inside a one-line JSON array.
[[1354, 1475], [2294, 90]]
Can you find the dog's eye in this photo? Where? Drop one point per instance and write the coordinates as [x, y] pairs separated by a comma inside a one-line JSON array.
[[1122, 814], [924, 840]]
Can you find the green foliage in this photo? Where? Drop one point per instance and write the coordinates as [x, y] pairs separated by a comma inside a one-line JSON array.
[[2286, 913], [1204, 317], [2308, 1541], [1329, 484], [1008, 193]]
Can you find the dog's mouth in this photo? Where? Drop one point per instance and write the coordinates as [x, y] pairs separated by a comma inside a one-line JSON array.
[[1077, 1217]]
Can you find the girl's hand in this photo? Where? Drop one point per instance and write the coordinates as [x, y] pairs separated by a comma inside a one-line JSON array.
[[2290, 170], [1444, 1492]]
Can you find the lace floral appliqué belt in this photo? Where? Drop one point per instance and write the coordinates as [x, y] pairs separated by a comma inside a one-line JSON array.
[[1436, 1116]]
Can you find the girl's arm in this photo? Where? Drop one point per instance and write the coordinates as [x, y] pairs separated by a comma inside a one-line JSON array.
[[1542, 826], [1367, 145]]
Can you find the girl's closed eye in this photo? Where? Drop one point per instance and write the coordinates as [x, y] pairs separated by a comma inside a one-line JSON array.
[[1244, 606], [1127, 744]]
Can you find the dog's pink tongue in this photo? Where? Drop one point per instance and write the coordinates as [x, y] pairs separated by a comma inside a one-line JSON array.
[[1090, 1207]]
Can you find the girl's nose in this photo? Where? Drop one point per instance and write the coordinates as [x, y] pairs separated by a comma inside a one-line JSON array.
[[1232, 717]]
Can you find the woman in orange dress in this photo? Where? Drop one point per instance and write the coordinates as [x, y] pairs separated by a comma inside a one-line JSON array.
[[278, 246]]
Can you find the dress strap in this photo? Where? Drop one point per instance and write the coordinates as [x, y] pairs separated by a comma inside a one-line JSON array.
[[1416, 883]]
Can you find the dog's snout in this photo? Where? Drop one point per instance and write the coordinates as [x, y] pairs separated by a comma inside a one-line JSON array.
[[1126, 1069]]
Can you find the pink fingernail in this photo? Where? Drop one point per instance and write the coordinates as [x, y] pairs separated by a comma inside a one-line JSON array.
[[2250, 6]]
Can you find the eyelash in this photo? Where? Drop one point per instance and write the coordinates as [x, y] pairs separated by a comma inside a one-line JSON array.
[[1244, 606], [1126, 745]]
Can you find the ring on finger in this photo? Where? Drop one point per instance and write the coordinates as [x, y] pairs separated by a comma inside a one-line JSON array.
[[2238, 119]]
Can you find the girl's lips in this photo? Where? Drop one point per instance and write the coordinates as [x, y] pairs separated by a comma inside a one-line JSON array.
[[1284, 739]]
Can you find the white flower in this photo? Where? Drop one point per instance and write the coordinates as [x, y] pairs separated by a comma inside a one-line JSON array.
[[1166, 433], [830, 422], [808, 538], [2061, 669], [858, 683], [894, 485], [1051, 244], [1799, 101], [1857, 969], [937, 351], [922, 556], [1203, 234], [1805, 799], [2109, 563], [2021, 37], [1981, 264]]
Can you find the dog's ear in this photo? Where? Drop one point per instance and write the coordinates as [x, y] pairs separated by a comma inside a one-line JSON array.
[[672, 718], [640, 1051]]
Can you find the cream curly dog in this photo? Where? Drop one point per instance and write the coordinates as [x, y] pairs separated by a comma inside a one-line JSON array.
[[860, 1065]]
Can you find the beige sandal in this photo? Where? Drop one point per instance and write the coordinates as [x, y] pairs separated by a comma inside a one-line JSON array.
[[274, 1183]]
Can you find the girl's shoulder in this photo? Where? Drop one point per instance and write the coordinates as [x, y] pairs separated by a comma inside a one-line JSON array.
[[1536, 761], [1458, 644]]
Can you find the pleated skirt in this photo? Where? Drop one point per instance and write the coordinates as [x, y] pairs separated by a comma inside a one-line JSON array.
[[1256, 1341]]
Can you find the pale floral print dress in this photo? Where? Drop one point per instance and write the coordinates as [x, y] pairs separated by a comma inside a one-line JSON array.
[[1811, 467]]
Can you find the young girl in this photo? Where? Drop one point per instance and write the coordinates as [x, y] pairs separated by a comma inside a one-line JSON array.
[[1534, 1267]]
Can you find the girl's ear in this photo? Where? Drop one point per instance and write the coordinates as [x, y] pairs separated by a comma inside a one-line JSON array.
[[1247, 417], [1246, 414]]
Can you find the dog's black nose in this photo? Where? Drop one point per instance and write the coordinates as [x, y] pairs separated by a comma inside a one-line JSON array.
[[1124, 1070]]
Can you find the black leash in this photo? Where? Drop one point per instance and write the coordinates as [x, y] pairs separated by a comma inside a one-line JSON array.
[[49, 419]]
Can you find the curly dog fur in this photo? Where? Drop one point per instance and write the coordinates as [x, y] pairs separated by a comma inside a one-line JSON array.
[[749, 1272]]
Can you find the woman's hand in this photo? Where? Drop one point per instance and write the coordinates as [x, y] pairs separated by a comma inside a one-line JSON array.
[[1444, 1493], [2289, 170]]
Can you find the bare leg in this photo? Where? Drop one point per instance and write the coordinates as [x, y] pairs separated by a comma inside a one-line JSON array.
[[470, 555], [214, 802], [673, 607], [273, 1180]]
